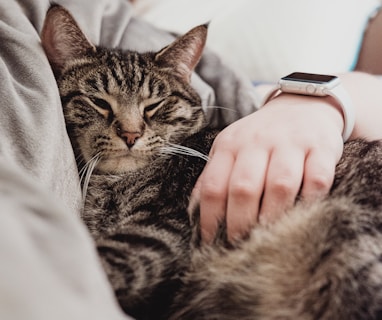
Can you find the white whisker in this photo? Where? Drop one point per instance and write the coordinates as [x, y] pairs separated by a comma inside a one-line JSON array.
[[85, 167], [175, 149], [223, 108], [86, 172]]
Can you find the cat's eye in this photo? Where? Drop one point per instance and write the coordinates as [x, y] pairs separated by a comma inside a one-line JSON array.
[[150, 109], [103, 104], [103, 107]]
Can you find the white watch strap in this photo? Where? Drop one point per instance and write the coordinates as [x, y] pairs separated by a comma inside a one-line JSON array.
[[348, 110], [270, 95], [342, 98]]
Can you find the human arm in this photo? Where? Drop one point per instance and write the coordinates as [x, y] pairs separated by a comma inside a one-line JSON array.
[[259, 163], [366, 94]]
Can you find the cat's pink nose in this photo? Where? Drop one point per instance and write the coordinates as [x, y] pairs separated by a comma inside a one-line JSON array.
[[130, 137]]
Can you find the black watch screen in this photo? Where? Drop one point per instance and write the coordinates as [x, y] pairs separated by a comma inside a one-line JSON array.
[[309, 77]]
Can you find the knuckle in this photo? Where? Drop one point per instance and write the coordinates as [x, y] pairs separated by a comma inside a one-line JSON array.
[[242, 190], [283, 187], [212, 192], [321, 182], [224, 140]]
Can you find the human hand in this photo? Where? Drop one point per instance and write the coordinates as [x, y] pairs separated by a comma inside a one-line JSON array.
[[259, 164]]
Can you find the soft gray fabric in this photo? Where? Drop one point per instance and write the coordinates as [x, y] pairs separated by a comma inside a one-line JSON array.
[[32, 131], [49, 268]]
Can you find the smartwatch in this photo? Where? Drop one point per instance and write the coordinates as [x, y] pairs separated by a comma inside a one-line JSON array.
[[319, 85]]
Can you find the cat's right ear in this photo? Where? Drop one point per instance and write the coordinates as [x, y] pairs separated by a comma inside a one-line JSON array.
[[62, 38], [184, 53]]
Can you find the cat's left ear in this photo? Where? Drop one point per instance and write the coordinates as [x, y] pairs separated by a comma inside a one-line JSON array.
[[62, 38], [184, 53]]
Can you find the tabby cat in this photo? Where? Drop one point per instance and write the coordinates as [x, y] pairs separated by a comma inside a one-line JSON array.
[[129, 116]]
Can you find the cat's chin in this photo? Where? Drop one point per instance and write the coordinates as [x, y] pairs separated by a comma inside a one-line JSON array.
[[119, 165]]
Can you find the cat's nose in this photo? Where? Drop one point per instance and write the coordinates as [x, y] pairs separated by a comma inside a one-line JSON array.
[[130, 137]]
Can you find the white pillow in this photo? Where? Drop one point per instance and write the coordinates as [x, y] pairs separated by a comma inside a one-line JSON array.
[[268, 39]]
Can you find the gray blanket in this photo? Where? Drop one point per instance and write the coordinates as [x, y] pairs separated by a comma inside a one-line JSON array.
[[49, 268]]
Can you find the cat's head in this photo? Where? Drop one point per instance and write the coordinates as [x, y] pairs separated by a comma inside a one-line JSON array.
[[123, 106]]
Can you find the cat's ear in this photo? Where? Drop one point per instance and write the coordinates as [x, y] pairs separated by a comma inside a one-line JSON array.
[[62, 39], [184, 53]]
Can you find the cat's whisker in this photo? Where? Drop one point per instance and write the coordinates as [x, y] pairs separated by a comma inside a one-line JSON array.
[[86, 172], [85, 166], [223, 108], [176, 149]]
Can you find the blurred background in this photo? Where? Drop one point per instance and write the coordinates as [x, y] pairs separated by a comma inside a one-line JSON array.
[[266, 39]]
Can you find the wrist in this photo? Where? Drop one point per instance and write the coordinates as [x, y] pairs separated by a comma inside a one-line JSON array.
[[318, 85], [325, 109], [366, 94]]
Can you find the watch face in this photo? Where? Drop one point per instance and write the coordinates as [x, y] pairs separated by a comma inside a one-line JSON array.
[[309, 77]]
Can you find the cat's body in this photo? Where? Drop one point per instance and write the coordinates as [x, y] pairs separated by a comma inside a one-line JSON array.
[[142, 229], [123, 110], [320, 261]]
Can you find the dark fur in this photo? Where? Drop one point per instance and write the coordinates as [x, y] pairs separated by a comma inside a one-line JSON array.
[[322, 261]]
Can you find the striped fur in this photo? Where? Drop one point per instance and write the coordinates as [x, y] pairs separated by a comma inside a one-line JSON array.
[[121, 109], [109, 93], [320, 261]]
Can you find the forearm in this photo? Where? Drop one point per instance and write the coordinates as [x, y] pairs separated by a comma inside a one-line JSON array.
[[366, 93]]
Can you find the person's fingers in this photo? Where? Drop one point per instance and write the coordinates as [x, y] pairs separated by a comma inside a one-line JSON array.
[[318, 174], [244, 191], [213, 192], [282, 184], [195, 195]]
